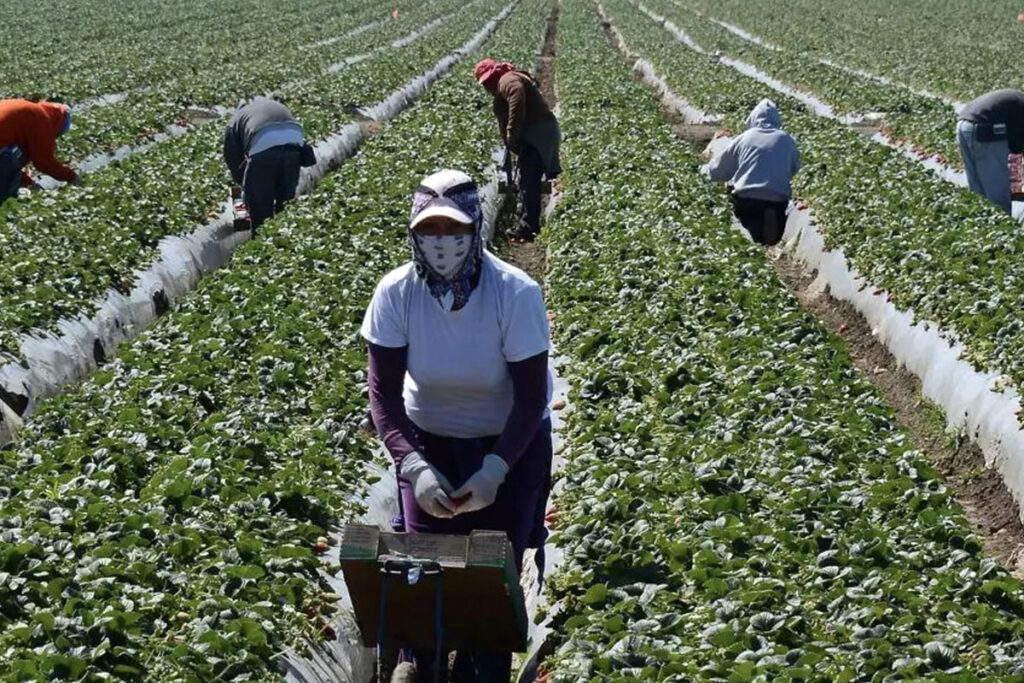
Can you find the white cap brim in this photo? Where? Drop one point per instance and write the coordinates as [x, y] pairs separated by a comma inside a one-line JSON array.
[[445, 211]]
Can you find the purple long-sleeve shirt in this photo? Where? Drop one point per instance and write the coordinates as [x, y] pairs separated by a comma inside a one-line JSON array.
[[387, 367]]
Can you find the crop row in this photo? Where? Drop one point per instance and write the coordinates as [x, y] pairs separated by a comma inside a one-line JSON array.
[[928, 123], [738, 503], [62, 252], [271, 59], [161, 517], [952, 48], [74, 54], [941, 252]]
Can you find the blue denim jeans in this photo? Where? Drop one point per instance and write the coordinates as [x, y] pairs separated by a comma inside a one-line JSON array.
[[987, 165]]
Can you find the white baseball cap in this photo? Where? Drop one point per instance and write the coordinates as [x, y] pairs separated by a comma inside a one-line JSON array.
[[448, 193]]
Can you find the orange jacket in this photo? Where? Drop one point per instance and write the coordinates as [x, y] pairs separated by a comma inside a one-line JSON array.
[[35, 127]]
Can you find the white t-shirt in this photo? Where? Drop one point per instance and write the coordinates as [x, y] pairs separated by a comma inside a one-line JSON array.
[[457, 383]]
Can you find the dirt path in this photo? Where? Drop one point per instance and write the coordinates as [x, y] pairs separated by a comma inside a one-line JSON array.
[[548, 54], [988, 505], [532, 256]]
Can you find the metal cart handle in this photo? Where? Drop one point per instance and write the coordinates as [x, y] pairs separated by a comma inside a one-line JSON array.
[[412, 570]]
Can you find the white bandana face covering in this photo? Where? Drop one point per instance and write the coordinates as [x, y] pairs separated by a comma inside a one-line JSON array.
[[445, 253]]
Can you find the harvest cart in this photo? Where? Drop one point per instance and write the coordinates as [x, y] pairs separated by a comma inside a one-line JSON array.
[[432, 592]]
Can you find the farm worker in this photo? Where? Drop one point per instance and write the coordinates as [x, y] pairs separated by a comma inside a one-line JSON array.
[[265, 148], [759, 164], [989, 129], [529, 129], [459, 385], [28, 135]]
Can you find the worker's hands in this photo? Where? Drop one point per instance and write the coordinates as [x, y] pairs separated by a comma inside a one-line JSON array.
[[429, 486], [481, 489], [29, 190]]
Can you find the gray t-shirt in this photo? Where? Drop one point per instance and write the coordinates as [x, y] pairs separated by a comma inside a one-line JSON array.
[[1000, 106]]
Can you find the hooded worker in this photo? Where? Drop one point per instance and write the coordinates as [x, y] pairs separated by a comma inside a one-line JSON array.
[[528, 129], [760, 164], [28, 135], [459, 388], [265, 150], [989, 129]]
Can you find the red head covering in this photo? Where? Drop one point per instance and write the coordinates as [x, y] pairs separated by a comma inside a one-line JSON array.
[[486, 69]]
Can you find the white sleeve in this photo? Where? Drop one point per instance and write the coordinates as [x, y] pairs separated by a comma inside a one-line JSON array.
[[525, 332], [382, 324]]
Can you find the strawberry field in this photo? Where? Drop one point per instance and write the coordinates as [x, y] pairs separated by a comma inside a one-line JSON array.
[[735, 500]]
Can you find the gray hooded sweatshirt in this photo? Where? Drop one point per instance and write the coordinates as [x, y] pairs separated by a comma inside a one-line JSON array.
[[760, 162]]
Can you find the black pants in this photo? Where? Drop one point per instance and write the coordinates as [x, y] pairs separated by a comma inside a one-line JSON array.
[[764, 220], [271, 179], [12, 160], [531, 175], [478, 667]]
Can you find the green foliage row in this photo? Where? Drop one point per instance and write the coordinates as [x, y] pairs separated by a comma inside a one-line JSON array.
[[738, 504], [158, 523]]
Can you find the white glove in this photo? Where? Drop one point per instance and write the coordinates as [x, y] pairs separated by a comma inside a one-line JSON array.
[[429, 486], [481, 489]]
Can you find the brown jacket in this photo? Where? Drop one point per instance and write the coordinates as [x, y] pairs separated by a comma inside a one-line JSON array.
[[518, 105]]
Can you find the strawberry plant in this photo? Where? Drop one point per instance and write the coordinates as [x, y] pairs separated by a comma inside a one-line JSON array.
[[271, 57], [950, 48], [93, 49], [64, 250], [941, 252], [163, 520], [738, 504], [926, 122]]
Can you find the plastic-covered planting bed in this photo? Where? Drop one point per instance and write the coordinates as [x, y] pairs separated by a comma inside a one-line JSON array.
[[973, 399], [53, 361]]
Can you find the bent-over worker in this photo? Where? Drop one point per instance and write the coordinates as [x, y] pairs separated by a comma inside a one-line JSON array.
[[459, 387], [28, 135], [529, 129], [265, 148], [760, 164], [988, 130]]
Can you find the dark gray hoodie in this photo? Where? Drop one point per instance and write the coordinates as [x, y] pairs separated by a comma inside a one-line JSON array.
[[761, 161]]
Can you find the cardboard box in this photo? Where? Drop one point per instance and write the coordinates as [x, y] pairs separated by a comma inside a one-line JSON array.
[[483, 607]]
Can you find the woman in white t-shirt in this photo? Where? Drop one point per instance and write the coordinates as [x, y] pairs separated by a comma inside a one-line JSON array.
[[459, 385]]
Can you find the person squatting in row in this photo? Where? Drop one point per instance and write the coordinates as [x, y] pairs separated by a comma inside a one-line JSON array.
[[758, 166]]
